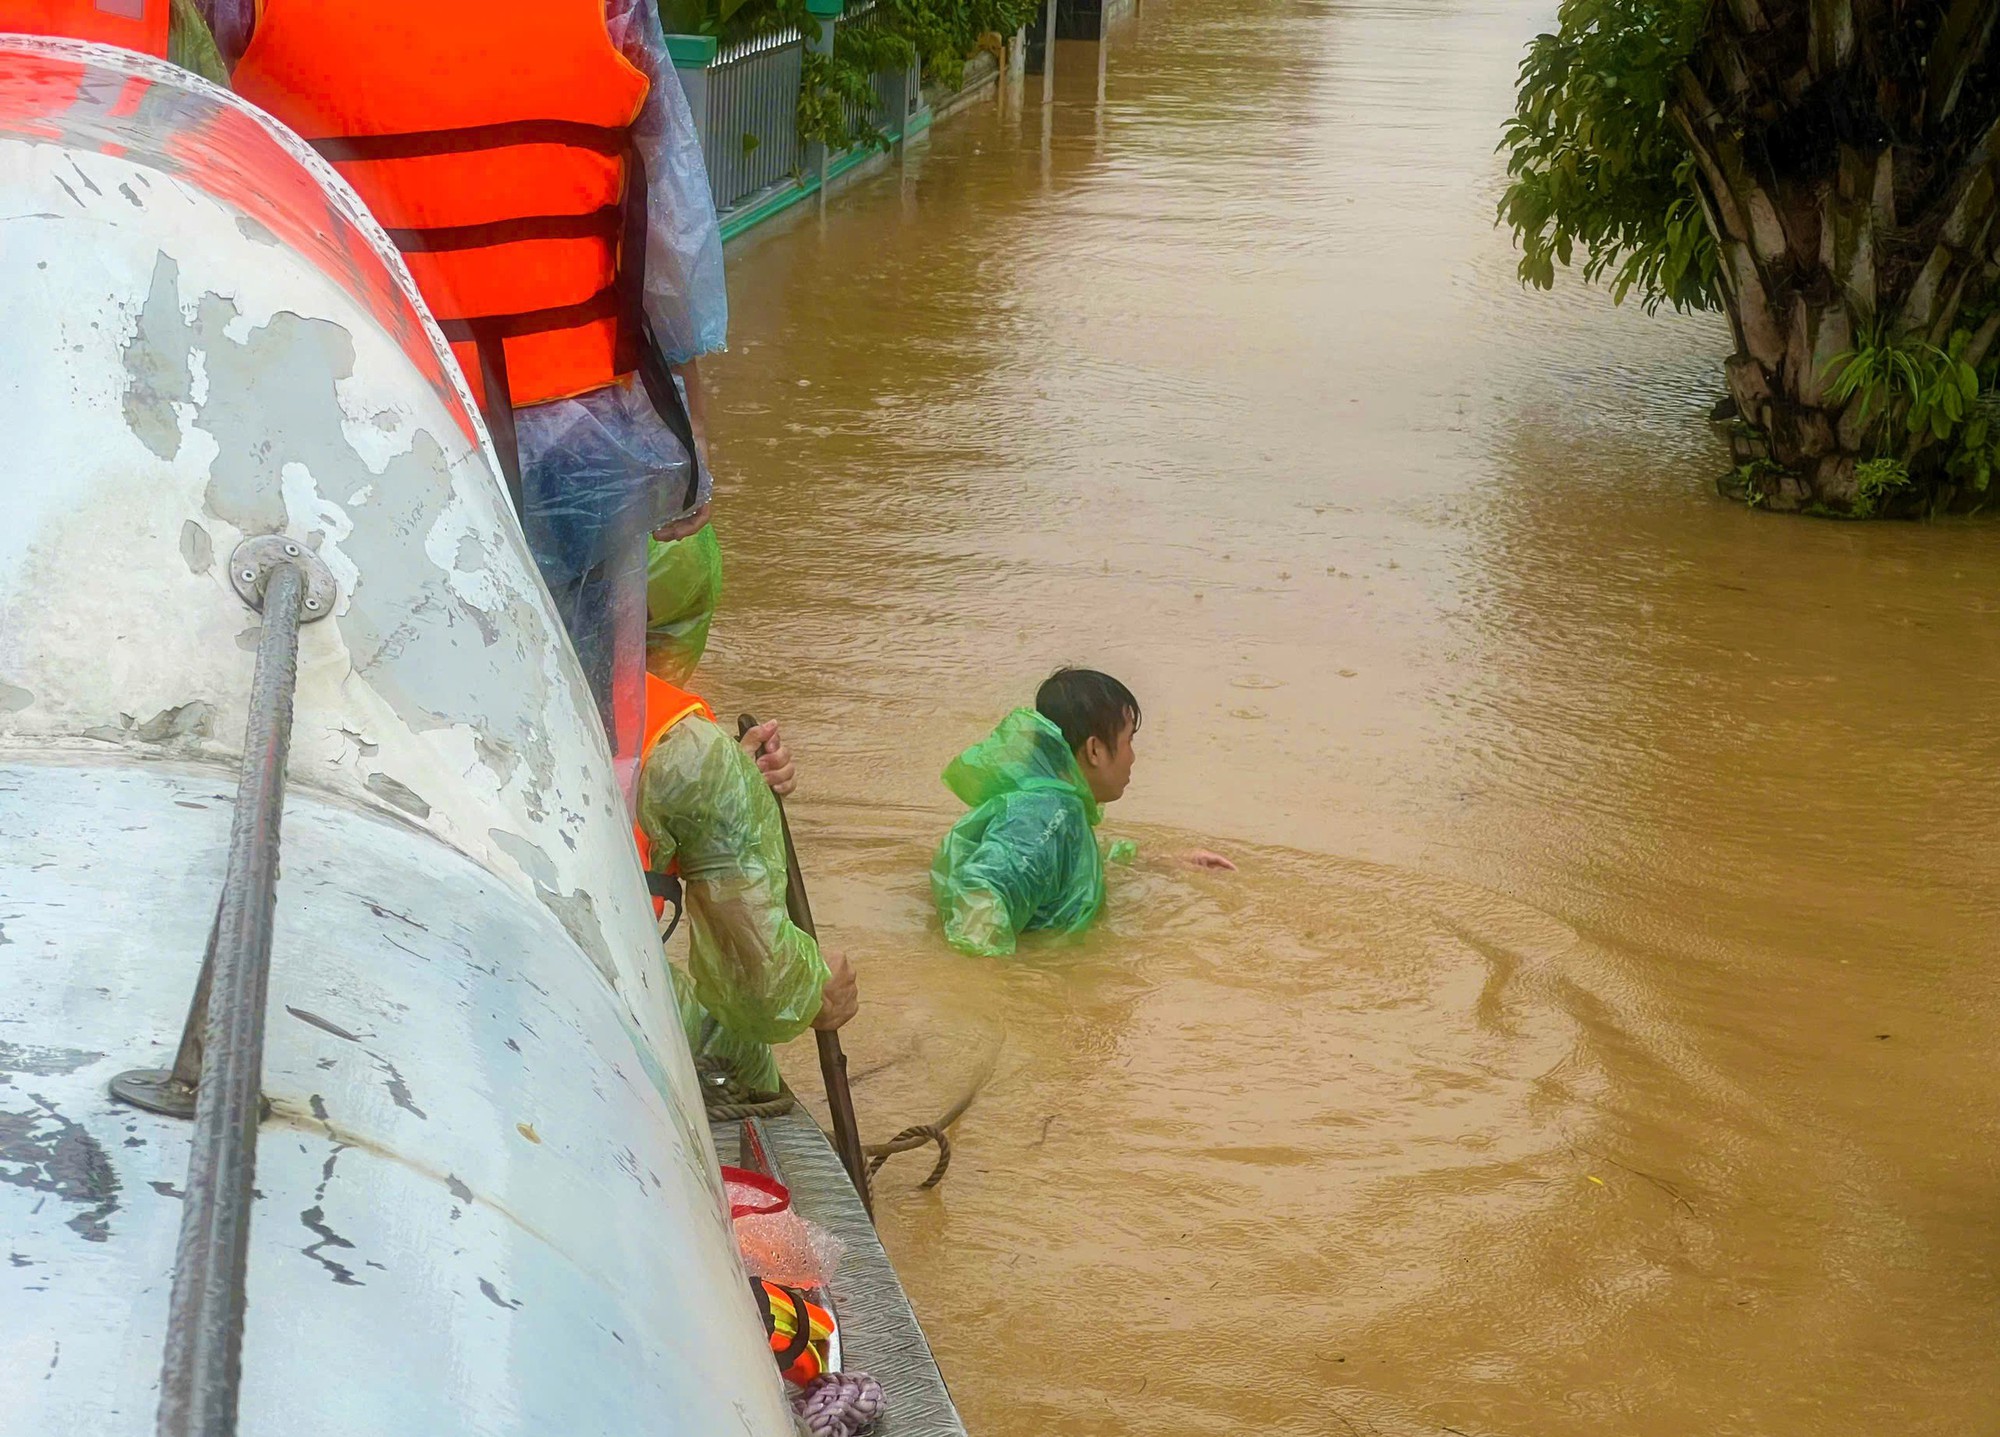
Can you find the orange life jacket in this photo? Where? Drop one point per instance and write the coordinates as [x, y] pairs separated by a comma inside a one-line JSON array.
[[665, 707], [493, 140], [135, 24]]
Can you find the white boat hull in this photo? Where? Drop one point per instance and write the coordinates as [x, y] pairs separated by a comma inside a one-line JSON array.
[[487, 1197]]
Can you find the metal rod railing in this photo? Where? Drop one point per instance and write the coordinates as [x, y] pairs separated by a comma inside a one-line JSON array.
[[171, 1090], [218, 1072], [203, 1367], [199, 1380]]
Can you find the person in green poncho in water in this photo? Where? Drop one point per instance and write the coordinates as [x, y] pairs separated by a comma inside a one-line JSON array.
[[1026, 856]]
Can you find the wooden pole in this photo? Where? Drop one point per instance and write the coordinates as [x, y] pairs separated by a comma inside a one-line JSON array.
[[832, 1061]]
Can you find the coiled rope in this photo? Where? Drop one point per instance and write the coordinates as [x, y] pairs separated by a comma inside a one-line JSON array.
[[922, 1134], [907, 1141], [727, 1100], [839, 1404]]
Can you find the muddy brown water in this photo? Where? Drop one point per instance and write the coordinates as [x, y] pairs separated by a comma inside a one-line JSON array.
[[1599, 1035]]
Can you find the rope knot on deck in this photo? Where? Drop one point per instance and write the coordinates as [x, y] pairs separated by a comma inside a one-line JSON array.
[[840, 1404]]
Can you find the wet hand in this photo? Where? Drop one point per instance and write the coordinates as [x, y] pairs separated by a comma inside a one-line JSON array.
[[840, 999], [1203, 858], [765, 744], [684, 526]]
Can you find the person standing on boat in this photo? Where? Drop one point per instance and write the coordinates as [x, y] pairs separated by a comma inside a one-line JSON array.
[[710, 836], [537, 163]]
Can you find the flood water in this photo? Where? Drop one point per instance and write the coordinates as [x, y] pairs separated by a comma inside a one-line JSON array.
[[1599, 1036]]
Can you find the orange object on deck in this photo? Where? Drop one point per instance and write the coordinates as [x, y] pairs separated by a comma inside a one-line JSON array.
[[135, 24], [798, 1329]]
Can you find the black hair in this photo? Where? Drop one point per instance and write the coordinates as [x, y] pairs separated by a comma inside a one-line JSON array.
[[1086, 704]]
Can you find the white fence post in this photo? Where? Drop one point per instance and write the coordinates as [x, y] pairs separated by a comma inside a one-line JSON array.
[[692, 55], [1049, 58], [821, 16]]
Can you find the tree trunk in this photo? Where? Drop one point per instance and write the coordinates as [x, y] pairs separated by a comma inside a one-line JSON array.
[[1848, 161]]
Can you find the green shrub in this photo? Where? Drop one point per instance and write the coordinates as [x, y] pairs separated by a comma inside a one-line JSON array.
[[1915, 398], [941, 34]]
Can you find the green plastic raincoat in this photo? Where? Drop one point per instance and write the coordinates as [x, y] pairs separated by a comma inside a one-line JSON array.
[[1026, 856], [683, 583], [752, 978], [191, 44]]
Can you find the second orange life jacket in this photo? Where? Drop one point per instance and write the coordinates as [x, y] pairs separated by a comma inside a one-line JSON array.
[[141, 25], [665, 707]]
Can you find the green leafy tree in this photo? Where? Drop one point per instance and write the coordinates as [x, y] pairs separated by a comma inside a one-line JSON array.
[[1825, 172]]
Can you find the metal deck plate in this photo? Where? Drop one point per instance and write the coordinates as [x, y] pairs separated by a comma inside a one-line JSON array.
[[878, 1331]]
